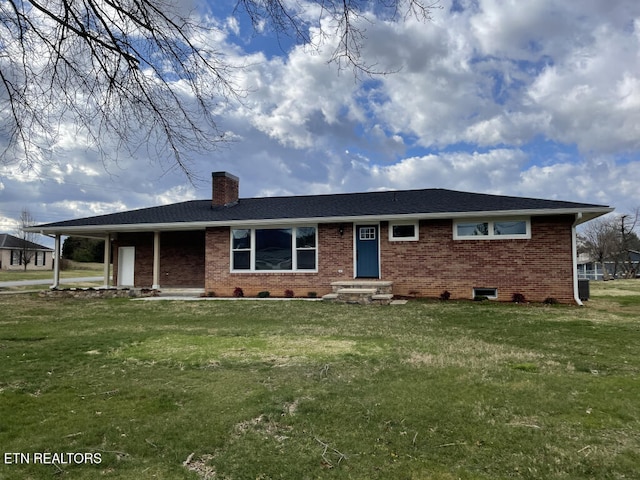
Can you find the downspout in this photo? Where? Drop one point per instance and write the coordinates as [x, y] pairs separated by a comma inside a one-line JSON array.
[[574, 250]]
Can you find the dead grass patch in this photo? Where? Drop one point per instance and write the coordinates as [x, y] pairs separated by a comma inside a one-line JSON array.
[[211, 350], [465, 352]]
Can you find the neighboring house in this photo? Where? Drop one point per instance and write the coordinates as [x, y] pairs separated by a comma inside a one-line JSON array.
[[590, 269], [424, 241], [14, 251]]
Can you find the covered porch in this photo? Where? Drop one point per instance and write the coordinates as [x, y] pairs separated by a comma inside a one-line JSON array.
[[152, 260]]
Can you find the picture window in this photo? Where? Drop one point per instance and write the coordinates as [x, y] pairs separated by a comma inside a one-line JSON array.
[[274, 249]]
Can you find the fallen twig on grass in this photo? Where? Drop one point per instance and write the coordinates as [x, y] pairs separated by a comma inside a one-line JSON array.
[[328, 448], [150, 443], [188, 460], [453, 444], [587, 448]]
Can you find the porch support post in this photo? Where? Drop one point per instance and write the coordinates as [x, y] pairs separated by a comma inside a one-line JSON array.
[[156, 261], [574, 254], [56, 262], [107, 260]]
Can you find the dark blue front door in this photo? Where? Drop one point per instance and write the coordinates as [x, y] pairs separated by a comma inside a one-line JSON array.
[[367, 251]]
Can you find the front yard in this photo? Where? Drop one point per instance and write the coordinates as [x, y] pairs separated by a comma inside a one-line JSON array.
[[295, 390]]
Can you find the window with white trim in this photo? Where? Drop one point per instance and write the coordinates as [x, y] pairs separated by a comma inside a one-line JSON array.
[[367, 233], [403, 232], [492, 229], [290, 249]]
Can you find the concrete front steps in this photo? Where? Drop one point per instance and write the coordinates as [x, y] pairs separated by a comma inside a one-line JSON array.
[[361, 291], [180, 292]]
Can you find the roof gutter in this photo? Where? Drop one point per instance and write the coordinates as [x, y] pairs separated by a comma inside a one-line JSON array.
[[574, 251]]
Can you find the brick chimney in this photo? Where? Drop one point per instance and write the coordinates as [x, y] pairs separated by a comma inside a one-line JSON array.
[[225, 189]]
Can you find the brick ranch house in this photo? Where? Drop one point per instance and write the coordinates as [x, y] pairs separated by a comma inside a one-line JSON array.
[[423, 241]]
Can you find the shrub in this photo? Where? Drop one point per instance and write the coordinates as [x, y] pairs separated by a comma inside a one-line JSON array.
[[480, 298], [312, 294], [288, 293], [550, 301], [237, 292], [263, 294], [518, 298], [446, 295]]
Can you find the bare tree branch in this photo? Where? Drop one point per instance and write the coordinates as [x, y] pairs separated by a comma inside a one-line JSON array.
[[141, 73]]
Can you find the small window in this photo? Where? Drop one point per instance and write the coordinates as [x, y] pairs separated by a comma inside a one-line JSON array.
[[367, 233], [502, 229], [403, 232], [306, 248], [472, 229], [518, 227], [241, 247], [491, 293]]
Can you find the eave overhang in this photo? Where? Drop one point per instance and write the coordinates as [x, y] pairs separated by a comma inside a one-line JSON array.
[[97, 230]]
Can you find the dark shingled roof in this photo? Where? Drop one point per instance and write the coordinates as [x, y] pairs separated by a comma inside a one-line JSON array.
[[387, 203], [15, 243]]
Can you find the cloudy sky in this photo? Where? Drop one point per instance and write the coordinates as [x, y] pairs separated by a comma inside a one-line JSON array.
[[533, 98]]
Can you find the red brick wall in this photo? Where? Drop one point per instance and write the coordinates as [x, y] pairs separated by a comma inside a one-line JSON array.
[[181, 258], [335, 253], [538, 268]]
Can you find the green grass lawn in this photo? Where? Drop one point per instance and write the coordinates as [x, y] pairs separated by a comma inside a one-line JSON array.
[[308, 390], [76, 269]]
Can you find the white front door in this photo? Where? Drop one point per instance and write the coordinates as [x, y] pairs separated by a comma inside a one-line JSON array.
[[126, 262]]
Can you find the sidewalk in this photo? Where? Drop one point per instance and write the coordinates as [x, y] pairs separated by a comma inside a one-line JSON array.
[[49, 281]]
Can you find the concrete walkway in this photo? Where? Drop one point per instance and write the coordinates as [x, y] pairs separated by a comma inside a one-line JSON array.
[[49, 281]]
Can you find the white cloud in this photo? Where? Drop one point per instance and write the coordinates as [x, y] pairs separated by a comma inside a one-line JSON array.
[[78, 208], [536, 98]]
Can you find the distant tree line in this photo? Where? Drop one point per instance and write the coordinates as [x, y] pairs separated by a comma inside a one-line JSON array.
[[80, 249]]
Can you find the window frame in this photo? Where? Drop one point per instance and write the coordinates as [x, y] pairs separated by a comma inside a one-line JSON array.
[[414, 238], [40, 258], [252, 248], [477, 292], [491, 235], [13, 260]]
